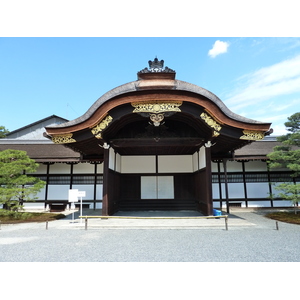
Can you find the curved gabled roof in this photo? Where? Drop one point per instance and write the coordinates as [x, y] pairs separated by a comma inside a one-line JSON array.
[[114, 118], [177, 85]]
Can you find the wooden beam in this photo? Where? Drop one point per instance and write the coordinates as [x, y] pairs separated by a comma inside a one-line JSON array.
[[170, 142]]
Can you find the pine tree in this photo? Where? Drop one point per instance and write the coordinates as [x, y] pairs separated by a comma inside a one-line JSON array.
[[16, 186], [3, 132], [288, 156]]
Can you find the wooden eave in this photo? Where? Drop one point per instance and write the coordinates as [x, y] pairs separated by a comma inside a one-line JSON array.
[[117, 104]]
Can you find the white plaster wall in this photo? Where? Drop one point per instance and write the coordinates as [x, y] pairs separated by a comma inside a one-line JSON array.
[[84, 168], [99, 191], [111, 159], [259, 203], [138, 164], [255, 166], [100, 168], [195, 161], [235, 190], [214, 167], [58, 192], [87, 188], [34, 206], [202, 160], [215, 191], [118, 162], [234, 166], [175, 164], [257, 190], [60, 169]]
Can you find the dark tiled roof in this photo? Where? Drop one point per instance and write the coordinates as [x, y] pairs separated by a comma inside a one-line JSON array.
[[256, 150], [45, 152]]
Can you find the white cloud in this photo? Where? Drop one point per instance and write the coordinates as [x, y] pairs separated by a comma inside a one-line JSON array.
[[219, 47], [270, 94], [277, 80]]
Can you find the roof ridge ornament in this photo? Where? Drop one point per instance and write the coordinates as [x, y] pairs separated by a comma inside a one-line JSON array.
[[156, 66]]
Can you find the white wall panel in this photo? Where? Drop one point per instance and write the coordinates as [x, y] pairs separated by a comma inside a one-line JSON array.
[[60, 169], [58, 192], [195, 161], [234, 166], [138, 164], [85, 168], [258, 190], [255, 166], [175, 164], [214, 167], [100, 168], [87, 188], [215, 191], [202, 160], [99, 192], [118, 163], [235, 190], [111, 159]]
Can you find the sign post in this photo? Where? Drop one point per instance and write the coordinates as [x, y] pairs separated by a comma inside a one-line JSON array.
[[81, 194]]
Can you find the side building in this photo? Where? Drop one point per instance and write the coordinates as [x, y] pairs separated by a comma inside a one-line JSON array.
[[156, 143]]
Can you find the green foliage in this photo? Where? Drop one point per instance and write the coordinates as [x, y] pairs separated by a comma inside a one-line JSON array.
[[290, 191], [11, 217], [3, 132], [15, 185], [288, 156]]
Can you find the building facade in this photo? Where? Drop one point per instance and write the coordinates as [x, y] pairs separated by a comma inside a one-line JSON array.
[[156, 143]]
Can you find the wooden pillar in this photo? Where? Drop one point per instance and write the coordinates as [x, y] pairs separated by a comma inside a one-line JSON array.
[[270, 186], [105, 199], [226, 183], [47, 184], [95, 185], [220, 185], [245, 183], [209, 198]]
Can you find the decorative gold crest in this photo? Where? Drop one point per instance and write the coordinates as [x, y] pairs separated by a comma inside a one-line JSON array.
[[252, 135], [63, 139], [156, 107], [97, 130], [216, 133], [211, 122]]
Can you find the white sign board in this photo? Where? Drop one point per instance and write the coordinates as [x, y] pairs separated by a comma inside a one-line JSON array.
[[81, 194], [73, 195]]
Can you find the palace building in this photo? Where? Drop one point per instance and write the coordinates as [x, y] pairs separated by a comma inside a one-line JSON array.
[[157, 143]]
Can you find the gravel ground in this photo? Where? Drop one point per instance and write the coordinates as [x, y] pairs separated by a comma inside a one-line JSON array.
[[250, 238]]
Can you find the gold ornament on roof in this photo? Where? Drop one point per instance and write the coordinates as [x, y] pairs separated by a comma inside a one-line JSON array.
[[211, 122], [252, 135], [156, 107], [63, 139], [97, 130]]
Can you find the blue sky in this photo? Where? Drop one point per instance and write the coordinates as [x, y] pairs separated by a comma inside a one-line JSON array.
[[258, 78]]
